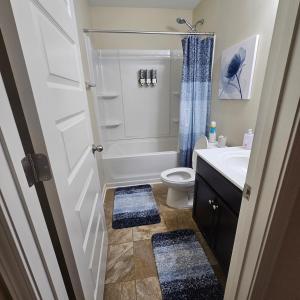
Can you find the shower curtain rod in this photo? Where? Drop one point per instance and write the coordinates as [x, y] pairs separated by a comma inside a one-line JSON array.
[[86, 30]]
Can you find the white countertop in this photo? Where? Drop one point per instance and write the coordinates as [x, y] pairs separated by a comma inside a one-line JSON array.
[[231, 162]]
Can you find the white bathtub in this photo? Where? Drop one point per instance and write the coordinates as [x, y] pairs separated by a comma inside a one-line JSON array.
[[138, 161]]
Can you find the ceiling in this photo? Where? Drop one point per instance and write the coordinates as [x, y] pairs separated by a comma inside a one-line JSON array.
[[179, 4]]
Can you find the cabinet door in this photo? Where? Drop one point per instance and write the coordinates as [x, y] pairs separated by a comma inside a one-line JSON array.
[[224, 233], [203, 212]]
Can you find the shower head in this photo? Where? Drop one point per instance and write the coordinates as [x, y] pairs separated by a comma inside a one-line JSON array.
[[180, 20], [192, 27], [184, 21]]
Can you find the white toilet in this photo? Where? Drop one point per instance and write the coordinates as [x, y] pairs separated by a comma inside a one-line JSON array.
[[181, 180]]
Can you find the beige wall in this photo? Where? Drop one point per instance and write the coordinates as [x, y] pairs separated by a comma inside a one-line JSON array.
[[149, 19], [234, 21]]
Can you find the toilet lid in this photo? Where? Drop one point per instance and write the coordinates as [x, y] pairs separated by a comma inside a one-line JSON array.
[[202, 143]]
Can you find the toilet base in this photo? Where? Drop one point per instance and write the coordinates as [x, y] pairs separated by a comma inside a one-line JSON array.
[[180, 199]]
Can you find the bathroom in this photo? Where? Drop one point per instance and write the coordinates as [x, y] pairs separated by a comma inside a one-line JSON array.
[[148, 147]]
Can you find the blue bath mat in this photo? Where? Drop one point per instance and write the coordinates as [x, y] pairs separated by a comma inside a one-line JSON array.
[[134, 206], [183, 269]]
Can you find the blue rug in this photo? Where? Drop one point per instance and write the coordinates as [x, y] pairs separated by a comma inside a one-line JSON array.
[[183, 269], [134, 206]]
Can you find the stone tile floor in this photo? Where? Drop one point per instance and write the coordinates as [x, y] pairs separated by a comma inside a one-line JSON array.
[[131, 271]]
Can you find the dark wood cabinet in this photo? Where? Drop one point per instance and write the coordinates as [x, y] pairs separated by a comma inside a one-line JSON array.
[[206, 219], [225, 234], [216, 207]]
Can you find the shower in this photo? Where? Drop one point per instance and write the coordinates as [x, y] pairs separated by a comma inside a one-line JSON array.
[[193, 28]]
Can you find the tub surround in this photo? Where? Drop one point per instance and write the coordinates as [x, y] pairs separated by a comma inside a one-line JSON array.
[[138, 125], [128, 111]]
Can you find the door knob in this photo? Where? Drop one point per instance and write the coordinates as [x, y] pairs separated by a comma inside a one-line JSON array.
[[98, 148]]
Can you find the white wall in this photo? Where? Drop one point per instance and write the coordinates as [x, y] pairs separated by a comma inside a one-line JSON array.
[[137, 19], [234, 21]]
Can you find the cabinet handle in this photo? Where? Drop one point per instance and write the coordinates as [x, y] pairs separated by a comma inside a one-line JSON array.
[[215, 207], [210, 202]]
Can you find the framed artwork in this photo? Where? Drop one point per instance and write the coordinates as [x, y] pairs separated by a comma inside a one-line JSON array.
[[237, 68]]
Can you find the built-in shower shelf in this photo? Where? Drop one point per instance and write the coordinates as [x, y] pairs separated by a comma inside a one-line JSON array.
[[108, 96], [175, 120], [112, 124], [176, 94]]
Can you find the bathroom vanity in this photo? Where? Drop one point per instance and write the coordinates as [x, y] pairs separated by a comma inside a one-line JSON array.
[[220, 177]]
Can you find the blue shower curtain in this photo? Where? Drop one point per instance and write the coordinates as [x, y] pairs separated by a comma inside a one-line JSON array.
[[195, 96]]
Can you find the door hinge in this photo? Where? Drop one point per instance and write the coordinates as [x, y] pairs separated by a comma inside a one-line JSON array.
[[36, 167], [247, 191]]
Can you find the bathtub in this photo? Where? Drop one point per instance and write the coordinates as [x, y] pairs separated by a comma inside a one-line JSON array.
[[138, 161]]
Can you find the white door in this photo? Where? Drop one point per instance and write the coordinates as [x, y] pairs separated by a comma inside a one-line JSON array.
[[49, 41], [20, 210]]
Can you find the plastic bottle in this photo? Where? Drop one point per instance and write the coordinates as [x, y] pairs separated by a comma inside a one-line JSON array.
[[212, 138], [248, 139]]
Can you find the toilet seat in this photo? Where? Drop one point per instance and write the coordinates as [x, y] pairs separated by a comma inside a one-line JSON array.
[[178, 176]]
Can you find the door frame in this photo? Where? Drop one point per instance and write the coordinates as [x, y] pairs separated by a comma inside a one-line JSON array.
[[262, 221]]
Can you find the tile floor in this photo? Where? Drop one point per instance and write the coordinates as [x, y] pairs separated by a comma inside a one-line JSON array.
[[131, 272]]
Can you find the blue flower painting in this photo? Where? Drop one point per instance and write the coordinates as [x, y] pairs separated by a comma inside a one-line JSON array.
[[237, 67]]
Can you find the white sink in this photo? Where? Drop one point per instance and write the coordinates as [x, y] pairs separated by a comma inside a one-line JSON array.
[[231, 162], [237, 161]]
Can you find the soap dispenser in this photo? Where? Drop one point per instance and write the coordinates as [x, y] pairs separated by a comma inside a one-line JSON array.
[[148, 77], [153, 77], [248, 139], [142, 79]]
